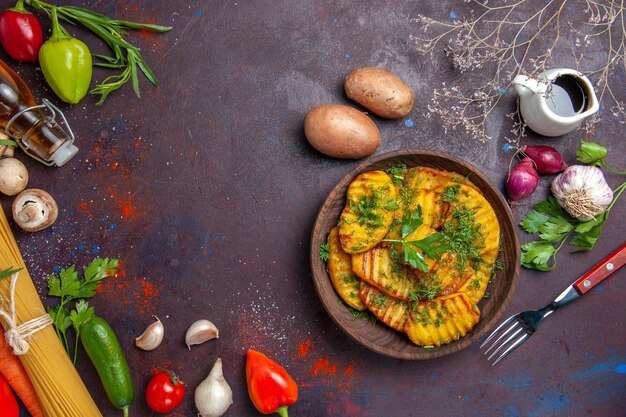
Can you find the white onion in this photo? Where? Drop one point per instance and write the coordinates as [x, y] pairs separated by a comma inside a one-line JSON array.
[[213, 396]]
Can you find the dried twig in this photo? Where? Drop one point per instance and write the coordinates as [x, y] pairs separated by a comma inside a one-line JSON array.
[[502, 41]]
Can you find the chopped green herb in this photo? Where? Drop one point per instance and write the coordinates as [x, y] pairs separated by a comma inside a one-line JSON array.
[[464, 237], [324, 252], [379, 301], [425, 291], [363, 315], [450, 193], [397, 173]]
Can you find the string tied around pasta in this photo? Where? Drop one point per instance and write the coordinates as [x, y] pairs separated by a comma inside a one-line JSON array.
[[18, 336]]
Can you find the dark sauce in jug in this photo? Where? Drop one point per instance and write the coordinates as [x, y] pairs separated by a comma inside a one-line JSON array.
[[567, 96]]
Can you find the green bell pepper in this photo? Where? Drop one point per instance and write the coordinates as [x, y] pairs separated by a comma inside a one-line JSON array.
[[66, 63]]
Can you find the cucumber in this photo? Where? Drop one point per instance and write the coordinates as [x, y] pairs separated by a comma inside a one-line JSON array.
[[106, 354]]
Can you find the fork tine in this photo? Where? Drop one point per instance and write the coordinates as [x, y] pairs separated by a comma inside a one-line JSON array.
[[510, 348], [513, 326], [495, 332], [518, 331]]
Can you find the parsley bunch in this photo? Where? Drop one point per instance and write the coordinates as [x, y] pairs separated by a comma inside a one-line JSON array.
[[70, 287], [555, 226], [431, 246]]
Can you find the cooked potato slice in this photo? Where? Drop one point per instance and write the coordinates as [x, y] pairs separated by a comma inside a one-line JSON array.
[[376, 268], [483, 215], [369, 212], [425, 178], [476, 286], [446, 277], [441, 321], [345, 282], [391, 311]]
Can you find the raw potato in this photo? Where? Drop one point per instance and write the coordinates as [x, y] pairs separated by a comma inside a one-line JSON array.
[[380, 91], [341, 131]]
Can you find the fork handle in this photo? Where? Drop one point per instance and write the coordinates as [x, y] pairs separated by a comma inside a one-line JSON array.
[[598, 273]]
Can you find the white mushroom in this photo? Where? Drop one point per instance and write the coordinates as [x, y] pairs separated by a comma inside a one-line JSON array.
[[34, 210], [13, 176], [6, 150]]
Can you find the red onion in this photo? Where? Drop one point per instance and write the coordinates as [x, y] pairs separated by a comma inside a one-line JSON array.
[[547, 159], [522, 181]]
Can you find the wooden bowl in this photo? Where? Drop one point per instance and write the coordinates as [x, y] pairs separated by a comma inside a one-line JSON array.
[[378, 337]]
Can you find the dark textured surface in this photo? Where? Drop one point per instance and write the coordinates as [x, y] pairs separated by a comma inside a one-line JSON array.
[[207, 189]]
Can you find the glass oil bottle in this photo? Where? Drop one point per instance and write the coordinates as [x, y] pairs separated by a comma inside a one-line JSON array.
[[40, 136]]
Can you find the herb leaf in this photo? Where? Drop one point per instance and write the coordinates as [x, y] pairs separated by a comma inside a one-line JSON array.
[[432, 245], [550, 207], [414, 258], [8, 272], [81, 313], [533, 221], [555, 229], [537, 254], [591, 153], [324, 252], [69, 287], [411, 221]]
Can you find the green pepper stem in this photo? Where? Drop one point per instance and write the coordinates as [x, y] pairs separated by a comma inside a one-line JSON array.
[[282, 411], [57, 32], [125, 409]]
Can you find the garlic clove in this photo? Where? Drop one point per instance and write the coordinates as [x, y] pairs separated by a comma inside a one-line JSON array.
[[152, 337], [199, 332]]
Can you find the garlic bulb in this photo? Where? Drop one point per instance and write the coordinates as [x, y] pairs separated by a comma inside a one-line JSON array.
[[199, 332], [152, 337], [582, 191]]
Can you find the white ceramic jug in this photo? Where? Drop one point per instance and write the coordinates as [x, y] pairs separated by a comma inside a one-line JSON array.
[[557, 102]]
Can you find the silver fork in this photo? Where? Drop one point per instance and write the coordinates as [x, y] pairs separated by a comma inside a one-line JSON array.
[[518, 328]]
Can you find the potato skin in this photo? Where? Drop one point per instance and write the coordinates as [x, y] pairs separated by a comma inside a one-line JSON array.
[[341, 131], [379, 91]]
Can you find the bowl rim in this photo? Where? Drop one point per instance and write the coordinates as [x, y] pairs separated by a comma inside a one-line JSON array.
[[422, 354]]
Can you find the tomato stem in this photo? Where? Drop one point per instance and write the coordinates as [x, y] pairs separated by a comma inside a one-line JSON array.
[[19, 7], [282, 411]]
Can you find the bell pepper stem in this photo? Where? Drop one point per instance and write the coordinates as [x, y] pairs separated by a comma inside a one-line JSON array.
[[57, 32], [282, 411], [19, 7]]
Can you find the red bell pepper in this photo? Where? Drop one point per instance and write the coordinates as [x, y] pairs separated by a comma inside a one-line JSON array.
[[20, 33], [270, 387], [8, 403]]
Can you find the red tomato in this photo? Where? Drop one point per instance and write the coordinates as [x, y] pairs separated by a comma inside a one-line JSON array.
[[165, 391], [9, 407]]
